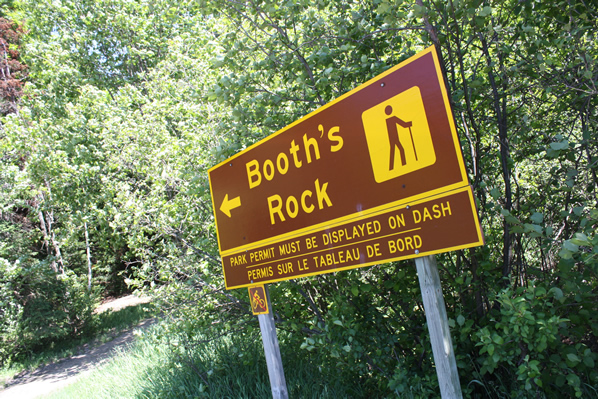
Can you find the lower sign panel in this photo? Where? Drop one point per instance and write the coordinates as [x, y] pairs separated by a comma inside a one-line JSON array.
[[433, 225]]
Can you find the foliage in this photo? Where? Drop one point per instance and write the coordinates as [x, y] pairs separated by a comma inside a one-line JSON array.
[[129, 103], [37, 311], [526, 337], [159, 365], [102, 328], [13, 71]]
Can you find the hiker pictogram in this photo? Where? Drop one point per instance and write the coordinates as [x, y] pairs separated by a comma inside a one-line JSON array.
[[398, 136], [393, 137]]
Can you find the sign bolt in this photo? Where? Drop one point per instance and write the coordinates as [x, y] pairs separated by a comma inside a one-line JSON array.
[[408, 207], [417, 251], [382, 84]]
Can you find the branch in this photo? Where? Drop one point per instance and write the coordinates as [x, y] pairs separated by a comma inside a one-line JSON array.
[[198, 251], [312, 305]]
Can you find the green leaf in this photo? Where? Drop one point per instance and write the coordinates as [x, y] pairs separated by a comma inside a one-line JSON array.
[[578, 242], [588, 361], [497, 339], [383, 7], [537, 218], [460, 320], [563, 145], [533, 228], [538, 381], [418, 11], [557, 293], [581, 239], [573, 380], [496, 357], [485, 11], [569, 246], [495, 193], [217, 61], [572, 357]]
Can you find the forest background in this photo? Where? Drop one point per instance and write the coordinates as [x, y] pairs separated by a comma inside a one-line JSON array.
[[113, 110]]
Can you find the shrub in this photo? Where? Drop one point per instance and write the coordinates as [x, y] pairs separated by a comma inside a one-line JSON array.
[[39, 308], [529, 335]]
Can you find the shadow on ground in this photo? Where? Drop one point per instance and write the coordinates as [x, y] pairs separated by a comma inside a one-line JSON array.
[[35, 383]]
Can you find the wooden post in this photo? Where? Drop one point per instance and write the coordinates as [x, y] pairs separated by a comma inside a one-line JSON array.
[[440, 336], [272, 352]]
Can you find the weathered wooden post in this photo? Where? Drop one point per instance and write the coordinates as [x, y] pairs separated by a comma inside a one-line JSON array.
[[440, 336], [272, 352]]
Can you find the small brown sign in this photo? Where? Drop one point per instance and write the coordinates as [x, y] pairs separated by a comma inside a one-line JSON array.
[[439, 224], [258, 299]]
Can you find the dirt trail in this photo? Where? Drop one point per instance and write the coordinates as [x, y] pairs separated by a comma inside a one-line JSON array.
[[39, 382]]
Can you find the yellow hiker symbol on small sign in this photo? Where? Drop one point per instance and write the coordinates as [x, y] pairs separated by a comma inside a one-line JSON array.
[[398, 137]]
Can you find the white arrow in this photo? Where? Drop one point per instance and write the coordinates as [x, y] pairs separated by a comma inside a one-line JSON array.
[[228, 205]]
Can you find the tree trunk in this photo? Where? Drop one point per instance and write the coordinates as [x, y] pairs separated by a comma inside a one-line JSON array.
[[58, 253], [500, 110], [45, 220], [42, 223]]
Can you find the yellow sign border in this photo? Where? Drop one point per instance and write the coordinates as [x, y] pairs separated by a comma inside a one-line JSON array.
[[479, 242], [369, 212], [251, 300]]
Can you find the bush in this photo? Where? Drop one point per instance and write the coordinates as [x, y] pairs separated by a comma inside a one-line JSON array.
[[39, 308], [529, 336]]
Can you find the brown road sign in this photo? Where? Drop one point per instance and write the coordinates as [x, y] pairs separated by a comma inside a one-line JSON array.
[[446, 222], [388, 142]]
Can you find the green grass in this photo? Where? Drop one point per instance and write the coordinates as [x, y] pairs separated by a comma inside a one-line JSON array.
[[229, 367], [162, 365], [105, 327], [7, 373], [124, 318]]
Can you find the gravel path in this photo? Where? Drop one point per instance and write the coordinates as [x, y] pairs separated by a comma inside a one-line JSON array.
[[39, 382]]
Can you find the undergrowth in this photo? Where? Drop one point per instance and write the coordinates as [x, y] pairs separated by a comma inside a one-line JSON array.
[[105, 326], [231, 366]]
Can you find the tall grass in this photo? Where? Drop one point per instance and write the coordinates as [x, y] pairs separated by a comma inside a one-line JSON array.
[[160, 365], [228, 367]]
